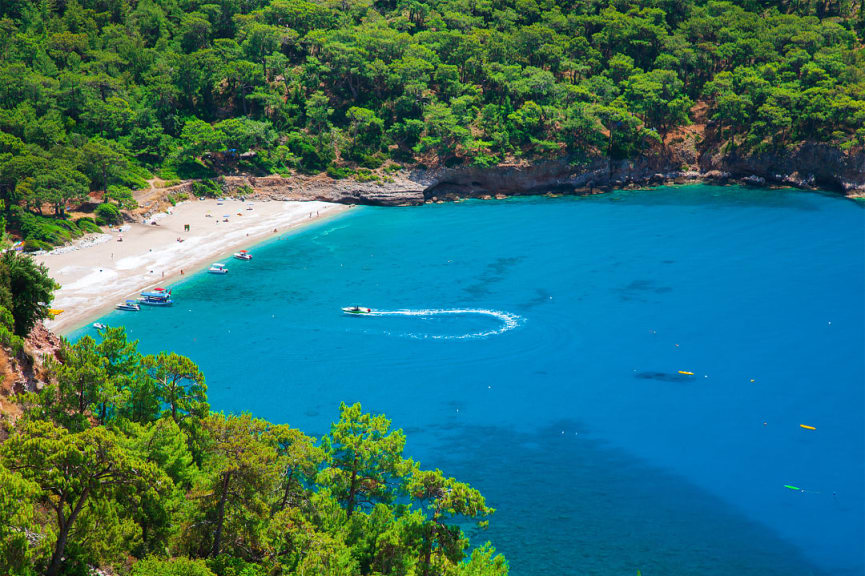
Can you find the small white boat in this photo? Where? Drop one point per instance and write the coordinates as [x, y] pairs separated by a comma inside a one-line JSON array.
[[129, 305], [218, 269], [356, 310], [243, 255], [99, 326]]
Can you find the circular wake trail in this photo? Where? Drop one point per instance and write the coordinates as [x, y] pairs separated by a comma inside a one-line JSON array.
[[507, 320]]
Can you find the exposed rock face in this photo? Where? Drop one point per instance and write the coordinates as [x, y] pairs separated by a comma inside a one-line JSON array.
[[809, 166], [548, 176], [25, 372], [399, 192]]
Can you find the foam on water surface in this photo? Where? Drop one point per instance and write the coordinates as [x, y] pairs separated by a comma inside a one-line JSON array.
[[506, 321]]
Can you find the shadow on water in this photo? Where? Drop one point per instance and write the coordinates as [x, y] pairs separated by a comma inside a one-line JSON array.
[[664, 376], [601, 511], [495, 271]]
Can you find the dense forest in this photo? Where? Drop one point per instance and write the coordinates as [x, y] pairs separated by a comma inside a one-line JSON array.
[[118, 463], [100, 95]]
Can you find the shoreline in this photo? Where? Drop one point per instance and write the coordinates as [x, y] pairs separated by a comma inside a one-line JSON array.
[[99, 271], [78, 312]]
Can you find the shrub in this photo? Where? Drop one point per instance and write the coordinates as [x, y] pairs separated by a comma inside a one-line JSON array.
[[338, 172], [151, 566], [48, 231], [7, 331], [108, 214], [206, 188], [122, 196], [374, 161], [86, 224], [364, 175], [177, 197], [312, 156], [34, 245]]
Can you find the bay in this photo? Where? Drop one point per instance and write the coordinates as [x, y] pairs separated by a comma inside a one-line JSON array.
[[539, 349]]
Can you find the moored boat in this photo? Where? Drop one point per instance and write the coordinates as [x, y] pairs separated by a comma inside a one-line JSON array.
[[99, 326], [356, 310], [218, 269], [157, 297], [243, 255], [129, 305]]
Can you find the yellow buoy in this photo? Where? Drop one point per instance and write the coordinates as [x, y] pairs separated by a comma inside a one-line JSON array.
[[686, 373], [806, 427]]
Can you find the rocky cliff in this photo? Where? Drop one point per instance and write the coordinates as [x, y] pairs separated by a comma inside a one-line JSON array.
[[24, 371], [398, 190], [809, 166]]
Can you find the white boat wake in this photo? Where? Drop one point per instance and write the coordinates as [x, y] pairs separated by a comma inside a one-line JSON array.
[[507, 321]]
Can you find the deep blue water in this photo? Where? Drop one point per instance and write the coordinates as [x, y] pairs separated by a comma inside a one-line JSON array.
[[575, 422]]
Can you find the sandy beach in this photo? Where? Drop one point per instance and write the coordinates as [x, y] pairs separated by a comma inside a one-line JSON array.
[[101, 270]]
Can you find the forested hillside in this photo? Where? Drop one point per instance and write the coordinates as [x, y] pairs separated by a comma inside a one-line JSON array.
[[115, 461], [99, 95]]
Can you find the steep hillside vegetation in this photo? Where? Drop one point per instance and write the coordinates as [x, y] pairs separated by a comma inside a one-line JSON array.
[[98, 95]]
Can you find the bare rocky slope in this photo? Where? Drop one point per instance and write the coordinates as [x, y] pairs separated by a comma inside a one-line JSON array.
[[25, 371]]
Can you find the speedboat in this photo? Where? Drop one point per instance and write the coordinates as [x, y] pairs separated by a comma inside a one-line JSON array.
[[218, 269], [158, 297], [130, 305], [99, 326], [356, 310], [243, 255]]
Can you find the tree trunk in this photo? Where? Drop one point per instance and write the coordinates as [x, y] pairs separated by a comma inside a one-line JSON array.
[[220, 515], [352, 491], [64, 526], [427, 550], [287, 491]]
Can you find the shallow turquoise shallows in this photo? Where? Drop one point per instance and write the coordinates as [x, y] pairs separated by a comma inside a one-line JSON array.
[[553, 375]]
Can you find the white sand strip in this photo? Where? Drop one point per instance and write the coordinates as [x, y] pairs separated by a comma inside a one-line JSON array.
[[96, 275]]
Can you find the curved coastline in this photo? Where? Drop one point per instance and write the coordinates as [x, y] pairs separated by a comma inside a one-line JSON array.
[[97, 272], [810, 167]]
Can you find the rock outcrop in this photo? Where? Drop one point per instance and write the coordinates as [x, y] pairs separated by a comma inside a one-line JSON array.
[[809, 166], [25, 371], [395, 191]]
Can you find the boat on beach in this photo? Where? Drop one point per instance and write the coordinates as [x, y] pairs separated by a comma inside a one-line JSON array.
[[156, 297], [218, 269], [129, 305], [356, 310], [243, 255]]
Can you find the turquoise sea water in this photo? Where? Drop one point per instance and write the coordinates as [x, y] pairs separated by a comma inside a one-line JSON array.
[[557, 391]]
